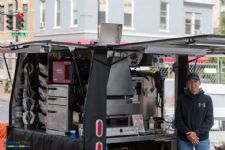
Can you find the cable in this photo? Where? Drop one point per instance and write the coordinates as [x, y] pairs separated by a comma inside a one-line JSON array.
[[75, 65]]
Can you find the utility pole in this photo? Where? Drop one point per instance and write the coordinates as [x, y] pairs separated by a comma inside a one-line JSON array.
[[10, 20], [98, 19], [17, 36]]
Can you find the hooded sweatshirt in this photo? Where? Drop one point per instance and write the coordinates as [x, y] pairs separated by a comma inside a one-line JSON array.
[[194, 113]]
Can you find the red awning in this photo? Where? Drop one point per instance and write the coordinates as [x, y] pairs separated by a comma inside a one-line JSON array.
[[200, 60]]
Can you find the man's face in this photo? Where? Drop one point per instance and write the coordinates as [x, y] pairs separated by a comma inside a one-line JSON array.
[[193, 86]]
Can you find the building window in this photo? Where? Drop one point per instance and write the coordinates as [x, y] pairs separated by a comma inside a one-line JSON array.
[[25, 11], [42, 19], [74, 12], [164, 16], [102, 11], [57, 13], [1, 17], [128, 13], [10, 8], [192, 23]]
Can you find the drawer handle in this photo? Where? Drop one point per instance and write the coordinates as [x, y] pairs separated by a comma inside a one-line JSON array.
[[51, 111], [52, 88], [52, 99]]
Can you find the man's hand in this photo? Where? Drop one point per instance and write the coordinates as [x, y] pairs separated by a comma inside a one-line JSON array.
[[192, 136]]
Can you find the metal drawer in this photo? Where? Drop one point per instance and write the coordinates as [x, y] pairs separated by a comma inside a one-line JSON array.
[[57, 118], [57, 101], [58, 90]]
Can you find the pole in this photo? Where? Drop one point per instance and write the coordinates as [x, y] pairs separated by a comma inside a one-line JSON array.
[[98, 18], [17, 37], [7, 68]]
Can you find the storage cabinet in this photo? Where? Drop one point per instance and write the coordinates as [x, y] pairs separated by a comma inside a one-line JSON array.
[[59, 116]]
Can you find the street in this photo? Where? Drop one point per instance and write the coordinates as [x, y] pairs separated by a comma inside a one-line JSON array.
[[4, 110]]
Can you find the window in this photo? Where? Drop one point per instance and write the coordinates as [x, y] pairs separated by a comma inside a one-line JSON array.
[[192, 23], [42, 19], [57, 13], [74, 12], [164, 16], [102, 11], [188, 19], [197, 23], [128, 13], [10, 8], [1, 18], [25, 11]]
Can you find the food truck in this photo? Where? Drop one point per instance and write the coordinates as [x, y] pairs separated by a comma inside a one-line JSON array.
[[68, 96]]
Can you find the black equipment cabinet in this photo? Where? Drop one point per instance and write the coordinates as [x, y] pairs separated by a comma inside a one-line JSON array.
[[143, 142]]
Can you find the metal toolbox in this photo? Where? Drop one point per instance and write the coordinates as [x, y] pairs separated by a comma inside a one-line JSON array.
[[58, 90], [57, 101], [59, 116]]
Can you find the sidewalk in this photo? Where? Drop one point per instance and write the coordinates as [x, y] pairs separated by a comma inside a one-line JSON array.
[[5, 98]]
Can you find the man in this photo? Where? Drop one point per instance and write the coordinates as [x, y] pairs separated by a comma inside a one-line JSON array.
[[193, 116]]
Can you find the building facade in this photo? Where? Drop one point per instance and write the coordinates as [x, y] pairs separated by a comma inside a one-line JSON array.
[[78, 20], [7, 36], [9, 7], [142, 20]]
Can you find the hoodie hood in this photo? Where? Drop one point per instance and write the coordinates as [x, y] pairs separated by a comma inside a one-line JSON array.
[[188, 93]]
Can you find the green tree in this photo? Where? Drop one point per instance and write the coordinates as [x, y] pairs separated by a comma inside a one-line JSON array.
[[6, 85]]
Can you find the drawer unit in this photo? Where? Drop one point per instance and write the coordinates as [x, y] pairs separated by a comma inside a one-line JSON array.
[[58, 90], [59, 115], [57, 101], [57, 118]]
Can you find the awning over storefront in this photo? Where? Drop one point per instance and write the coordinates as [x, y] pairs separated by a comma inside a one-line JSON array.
[[200, 60]]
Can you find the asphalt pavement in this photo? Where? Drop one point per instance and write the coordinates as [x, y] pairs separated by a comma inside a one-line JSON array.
[[4, 109]]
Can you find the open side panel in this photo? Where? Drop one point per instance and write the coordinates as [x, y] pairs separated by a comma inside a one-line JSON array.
[[27, 108]]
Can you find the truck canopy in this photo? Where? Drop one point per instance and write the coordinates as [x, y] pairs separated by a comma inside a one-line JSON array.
[[102, 60]]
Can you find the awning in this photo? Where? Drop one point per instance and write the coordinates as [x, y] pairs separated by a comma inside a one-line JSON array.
[[191, 45], [40, 47], [200, 60]]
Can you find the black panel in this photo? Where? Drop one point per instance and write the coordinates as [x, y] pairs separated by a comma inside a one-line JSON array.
[[42, 141], [95, 104], [120, 82]]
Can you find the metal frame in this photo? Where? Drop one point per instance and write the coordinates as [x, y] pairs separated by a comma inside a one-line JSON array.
[[184, 46]]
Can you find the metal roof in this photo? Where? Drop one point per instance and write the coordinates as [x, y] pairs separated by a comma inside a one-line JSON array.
[[191, 45]]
